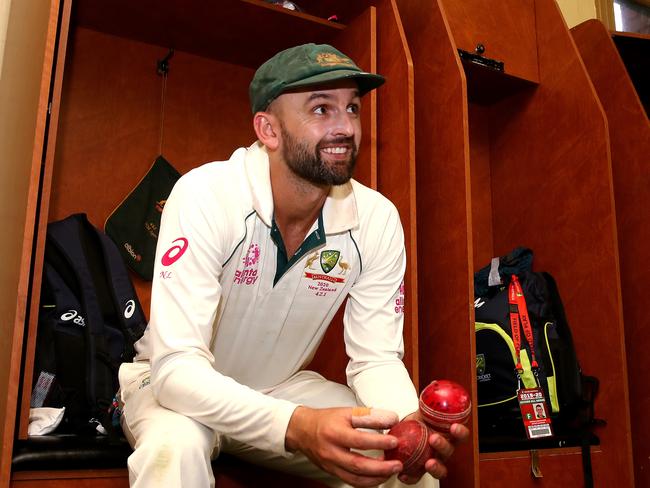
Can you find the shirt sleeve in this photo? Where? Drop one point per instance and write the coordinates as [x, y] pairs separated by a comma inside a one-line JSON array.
[[374, 318], [192, 245]]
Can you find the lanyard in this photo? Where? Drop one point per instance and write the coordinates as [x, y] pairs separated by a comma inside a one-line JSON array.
[[519, 313]]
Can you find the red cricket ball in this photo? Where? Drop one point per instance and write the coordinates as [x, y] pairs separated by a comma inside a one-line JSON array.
[[445, 402], [413, 447]]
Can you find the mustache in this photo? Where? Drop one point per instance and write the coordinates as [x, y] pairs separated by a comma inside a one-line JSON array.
[[338, 140]]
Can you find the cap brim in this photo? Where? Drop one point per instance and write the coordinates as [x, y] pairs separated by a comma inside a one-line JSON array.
[[366, 81]]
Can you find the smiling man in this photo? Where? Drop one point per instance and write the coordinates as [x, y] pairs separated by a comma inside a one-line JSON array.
[[255, 256]]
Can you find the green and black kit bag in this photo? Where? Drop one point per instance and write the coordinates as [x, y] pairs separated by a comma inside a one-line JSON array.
[[134, 224]]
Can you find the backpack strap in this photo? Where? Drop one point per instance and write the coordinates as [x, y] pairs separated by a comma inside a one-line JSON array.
[[129, 312]]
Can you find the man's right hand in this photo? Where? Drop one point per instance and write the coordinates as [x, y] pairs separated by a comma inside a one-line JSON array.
[[326, 437]]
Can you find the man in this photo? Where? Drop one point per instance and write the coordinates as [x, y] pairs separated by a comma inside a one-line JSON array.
[[255, 255]]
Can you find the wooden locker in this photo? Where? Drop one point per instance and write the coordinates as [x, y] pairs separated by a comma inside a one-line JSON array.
[[629, 134], [505, 159], [105, 131]]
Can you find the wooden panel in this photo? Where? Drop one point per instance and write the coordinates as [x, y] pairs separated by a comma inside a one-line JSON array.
[[345, 11], [206, 28], [552, 191], [396, 160], [110, 121], [110, 125], [44, 145], [559, 467], [228, 472], [506, 29], [110, 478], [359, 41], [446, 337], [479, 150], [629, 132]]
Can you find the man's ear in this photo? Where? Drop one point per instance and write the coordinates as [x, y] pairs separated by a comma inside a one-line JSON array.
[[266, 127]]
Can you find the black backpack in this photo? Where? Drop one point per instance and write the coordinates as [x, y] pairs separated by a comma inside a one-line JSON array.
[[569, 393], [89, 320]]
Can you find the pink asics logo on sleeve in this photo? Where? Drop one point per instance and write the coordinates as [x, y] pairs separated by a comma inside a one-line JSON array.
[[174, 253]]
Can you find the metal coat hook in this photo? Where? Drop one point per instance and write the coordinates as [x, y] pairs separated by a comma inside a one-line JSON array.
[[163, 64]]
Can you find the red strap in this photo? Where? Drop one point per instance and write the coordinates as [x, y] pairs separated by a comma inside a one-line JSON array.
[[519, 313]]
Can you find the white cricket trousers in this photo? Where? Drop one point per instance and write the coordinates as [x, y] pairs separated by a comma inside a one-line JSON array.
[[172, 450]]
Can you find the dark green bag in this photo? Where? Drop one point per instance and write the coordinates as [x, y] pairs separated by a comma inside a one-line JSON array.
[[134, 224]]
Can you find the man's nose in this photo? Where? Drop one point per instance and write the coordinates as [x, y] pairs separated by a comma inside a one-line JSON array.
[[344, 124]]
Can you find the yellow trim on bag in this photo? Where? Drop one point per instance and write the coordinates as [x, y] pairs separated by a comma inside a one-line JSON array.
[[527, 377], [550, 380]]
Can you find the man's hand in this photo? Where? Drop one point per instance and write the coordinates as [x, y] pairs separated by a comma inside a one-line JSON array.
[[442, 445], [326, 437]]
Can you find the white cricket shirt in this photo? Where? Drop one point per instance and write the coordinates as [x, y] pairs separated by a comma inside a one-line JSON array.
[[229, 320]]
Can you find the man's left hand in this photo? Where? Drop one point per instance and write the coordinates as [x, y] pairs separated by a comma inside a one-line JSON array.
[[443, 446]]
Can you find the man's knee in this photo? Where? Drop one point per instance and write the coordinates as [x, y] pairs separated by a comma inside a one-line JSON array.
[[173, 448]]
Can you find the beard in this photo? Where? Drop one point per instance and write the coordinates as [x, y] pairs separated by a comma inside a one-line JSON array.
[[307, 163]]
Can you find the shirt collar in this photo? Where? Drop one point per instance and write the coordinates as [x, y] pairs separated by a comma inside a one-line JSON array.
[[340, 208]]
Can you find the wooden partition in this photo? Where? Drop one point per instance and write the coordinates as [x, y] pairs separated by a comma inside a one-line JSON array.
[[552, 190], [506, 160], [48, 107], [107, 126], [444, 219], [629, 132], [396, 172]]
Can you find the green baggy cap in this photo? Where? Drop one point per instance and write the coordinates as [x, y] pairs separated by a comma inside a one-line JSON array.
[[308, 64]]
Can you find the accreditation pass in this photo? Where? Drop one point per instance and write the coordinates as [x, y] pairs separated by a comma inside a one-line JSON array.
[[534, 413]]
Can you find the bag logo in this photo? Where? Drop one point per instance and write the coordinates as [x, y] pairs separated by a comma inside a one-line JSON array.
[[328, 260], [73, 315], [479, 302], [480, 364], [174, 253], [132, 253], [160, 205], [152, 229], [130, 309]]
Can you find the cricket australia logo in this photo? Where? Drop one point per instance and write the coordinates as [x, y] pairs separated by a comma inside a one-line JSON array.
[[328, 260]]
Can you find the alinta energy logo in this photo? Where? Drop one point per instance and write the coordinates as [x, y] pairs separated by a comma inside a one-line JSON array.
[[252, 256], [399, 301], [248, 275]]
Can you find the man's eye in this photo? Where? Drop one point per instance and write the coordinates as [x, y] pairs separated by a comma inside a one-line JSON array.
[[320, 110], [353, 108]]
